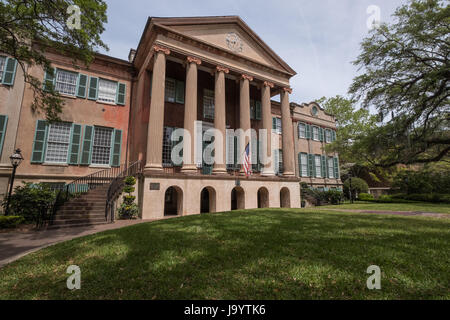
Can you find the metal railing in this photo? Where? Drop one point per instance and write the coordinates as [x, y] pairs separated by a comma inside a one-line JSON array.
[[79, 187], [116, 186]]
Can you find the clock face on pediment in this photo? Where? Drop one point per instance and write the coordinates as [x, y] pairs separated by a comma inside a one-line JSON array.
[[234, 43]]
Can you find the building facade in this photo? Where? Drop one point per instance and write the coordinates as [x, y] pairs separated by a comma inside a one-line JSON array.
[[210, 76]]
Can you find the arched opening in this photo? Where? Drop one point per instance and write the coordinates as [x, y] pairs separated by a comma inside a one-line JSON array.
[[263, 197], [237, 198], [285, 198], [173, 201], [208, 200]]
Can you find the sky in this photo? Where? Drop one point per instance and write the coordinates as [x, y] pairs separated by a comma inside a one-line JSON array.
[[318, 39]]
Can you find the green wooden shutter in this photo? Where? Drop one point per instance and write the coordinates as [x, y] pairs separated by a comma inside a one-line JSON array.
[[336, 168], [49, 79], [81, 85], [321, 134], [121, 93], [324, 167], [116, 148], [10, 71], [39, 143], [3, 125], [274, 123], [308, 131], [93, 88], [258, 110], [311, 165], [179, 91], [333, 135], [75, 143], [299, 164], [86, 153]]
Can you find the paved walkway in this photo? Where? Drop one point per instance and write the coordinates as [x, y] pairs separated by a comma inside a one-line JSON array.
[[14, 245], [401, 213]]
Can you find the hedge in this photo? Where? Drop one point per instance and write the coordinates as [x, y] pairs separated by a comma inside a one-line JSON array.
[[10, 221]]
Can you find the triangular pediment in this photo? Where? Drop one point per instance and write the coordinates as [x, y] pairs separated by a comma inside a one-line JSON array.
[[227, 33]]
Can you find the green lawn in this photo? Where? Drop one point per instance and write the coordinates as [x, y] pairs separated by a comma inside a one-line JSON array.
[[414, 206], [253, 254]]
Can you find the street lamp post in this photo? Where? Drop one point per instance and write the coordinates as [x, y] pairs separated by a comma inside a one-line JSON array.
[[16, 158]]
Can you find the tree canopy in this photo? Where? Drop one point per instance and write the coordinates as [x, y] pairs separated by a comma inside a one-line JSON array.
[[28, 28], [405, 77]]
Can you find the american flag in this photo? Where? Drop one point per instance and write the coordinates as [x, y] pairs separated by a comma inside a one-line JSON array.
[[247, 162]]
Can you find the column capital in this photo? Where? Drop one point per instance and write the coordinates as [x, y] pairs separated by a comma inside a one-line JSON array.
[[247, 77], [158, 48], [288, 90], [195, 60], [269, 84], [223, 69]]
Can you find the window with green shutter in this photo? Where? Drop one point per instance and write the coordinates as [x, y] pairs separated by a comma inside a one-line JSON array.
[[311, 165], [121, 93], [308, 131], [116, 148], [82, 85], [40, 137], [324, 166], [258, 110], [336, 168], [9, 71], [49, 79], [321, 134], [3, 125], [93, 88], [87, 145], [333, 135], [75, 143]]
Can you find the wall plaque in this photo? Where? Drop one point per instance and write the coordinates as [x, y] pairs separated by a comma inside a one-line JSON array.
[[154, 186]]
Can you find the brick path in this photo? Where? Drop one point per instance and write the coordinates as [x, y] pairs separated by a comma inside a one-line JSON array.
[[14, 245]]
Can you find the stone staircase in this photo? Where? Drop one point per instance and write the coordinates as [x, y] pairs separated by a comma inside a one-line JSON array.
[[85, 210]]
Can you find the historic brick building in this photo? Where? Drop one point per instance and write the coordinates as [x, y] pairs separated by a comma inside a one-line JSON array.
[[191, 73]]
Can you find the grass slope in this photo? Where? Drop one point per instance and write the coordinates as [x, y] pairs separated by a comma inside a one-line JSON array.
[[252, 254], [414, 206]]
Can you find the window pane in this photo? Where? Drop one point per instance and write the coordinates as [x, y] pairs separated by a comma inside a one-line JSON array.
[[107, 90], [278, 121], [302, 130], [315, 133], [167, 147], [208, 104], [318, 167], [304, 160], [2, 66], [170, 90], [66, 82], [58, 142], [330, 167], [101, 148]]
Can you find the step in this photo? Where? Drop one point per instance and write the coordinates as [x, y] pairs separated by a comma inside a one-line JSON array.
[[83, 206], [78, 221], [75, 225], [85, 202], [78, 217]]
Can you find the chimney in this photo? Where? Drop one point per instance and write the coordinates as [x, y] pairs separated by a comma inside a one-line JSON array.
[[131, 55]]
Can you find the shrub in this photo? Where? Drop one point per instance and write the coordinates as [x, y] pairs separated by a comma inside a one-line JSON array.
[[323, 197], [358, 186], [128, 209], [425, 181], [31, 201], [10, 221], [365, 197], [426, 197]]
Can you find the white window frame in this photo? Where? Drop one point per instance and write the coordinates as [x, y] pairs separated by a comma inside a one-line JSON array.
[[318, 165], [208, 104], [330, 167], [102, 95], [278, 126], [58, 142], [302, 125], [315, 133], [328, 136], [65, 84], [304, 164], [94, 146]]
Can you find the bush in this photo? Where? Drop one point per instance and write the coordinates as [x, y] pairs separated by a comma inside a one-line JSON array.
[[10, 221], [323, 197], [425, 181], [365, 197], [427, 197], [31, 201], [128, 209], [358, 186]]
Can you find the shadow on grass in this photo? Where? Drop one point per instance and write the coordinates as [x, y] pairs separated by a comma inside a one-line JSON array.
[[259, 254]]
